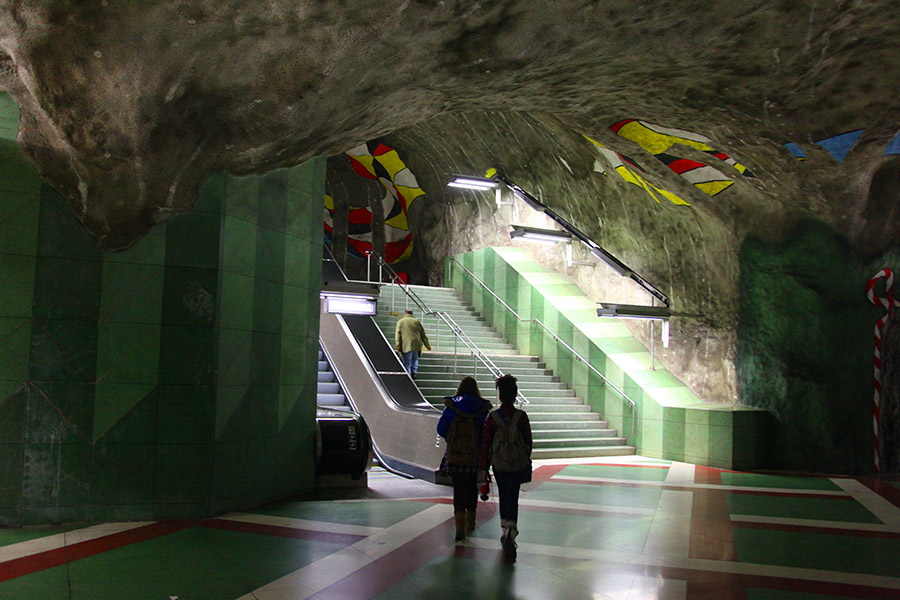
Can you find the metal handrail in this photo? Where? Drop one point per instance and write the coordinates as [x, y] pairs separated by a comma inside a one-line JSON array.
[[455, 329], [557, 338]]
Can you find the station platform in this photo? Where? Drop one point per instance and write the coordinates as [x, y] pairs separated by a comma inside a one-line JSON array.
[[598, 529]]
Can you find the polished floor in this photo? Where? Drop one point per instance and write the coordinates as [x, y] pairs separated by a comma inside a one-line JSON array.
[[629, 528]]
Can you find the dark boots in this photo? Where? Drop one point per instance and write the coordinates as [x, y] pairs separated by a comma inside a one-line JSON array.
[[460, 518]]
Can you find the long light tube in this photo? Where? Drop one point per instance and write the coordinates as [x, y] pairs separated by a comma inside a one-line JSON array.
[[350, 304], [553, 236], [473, 183]]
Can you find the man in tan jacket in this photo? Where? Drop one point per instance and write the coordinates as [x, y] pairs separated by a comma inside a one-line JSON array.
[[410, 338]]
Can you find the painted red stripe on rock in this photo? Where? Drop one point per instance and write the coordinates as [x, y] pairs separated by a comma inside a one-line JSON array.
[[683, 165]]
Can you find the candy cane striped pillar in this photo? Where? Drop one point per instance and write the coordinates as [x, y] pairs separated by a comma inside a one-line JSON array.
[[888, 302]]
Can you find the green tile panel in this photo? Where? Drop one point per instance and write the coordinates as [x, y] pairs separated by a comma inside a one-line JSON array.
[[19, 217]]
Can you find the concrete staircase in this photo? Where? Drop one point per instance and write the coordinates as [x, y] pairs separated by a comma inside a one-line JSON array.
[[562, 424]]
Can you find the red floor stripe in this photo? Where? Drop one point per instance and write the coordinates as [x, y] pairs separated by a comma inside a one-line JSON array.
[[60, 556], [392, 568], [712, 535], [285, 532]]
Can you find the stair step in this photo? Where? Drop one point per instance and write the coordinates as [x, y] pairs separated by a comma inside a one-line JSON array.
[[328, 388], [573, 434], [330, 399], [582, 452], [539, 416], [553, 387], [547, 444], [570, 425]]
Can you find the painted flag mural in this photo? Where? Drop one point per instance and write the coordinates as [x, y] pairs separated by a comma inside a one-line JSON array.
[[657, 140], [630, 171], [379, 162]]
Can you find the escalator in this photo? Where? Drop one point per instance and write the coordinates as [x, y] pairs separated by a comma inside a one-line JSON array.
[[401, 422]]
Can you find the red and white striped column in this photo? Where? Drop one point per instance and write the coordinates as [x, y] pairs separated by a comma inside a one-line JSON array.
[[888, 302]]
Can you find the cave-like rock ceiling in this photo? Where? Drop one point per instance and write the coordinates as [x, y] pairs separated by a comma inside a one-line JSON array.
[[127, 107]]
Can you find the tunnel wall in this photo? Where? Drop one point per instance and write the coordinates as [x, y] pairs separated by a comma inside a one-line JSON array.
[[173, 379], [806, 347]]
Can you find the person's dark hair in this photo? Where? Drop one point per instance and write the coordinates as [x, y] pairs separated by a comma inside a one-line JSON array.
[[409, 311], [468, 385], [507, 388]]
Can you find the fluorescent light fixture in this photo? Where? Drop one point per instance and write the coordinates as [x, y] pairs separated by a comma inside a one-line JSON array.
[[553, 236], [473, 183], [633, 311], [350, 304], [611, 261]]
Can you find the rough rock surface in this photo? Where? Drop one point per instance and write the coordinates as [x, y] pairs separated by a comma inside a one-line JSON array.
[[126, 108]]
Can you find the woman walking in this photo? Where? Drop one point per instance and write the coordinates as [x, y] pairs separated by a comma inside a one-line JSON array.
[[461, 424], [506, 446]]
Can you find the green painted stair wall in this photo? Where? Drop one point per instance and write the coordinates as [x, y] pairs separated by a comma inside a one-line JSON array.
[[670, 421]]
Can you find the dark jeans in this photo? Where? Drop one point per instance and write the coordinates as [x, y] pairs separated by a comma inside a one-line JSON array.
[[465, 491], [508, 484]]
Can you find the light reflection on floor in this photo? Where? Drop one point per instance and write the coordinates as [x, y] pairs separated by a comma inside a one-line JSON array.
[[625, 528]]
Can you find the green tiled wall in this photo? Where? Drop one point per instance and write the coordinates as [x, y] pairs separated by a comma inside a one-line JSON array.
[[172, 379], [668, 420]]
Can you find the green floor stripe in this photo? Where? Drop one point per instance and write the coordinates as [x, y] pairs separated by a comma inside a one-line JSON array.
[[611, 495], [825, 509], [376, 513], [829, 552], [196, 563], [634, 473], [778, 481]]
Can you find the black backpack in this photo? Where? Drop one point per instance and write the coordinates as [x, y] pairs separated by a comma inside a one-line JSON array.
[[463, 438]]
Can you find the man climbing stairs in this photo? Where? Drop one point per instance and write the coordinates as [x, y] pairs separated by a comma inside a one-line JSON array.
[[563, 425]]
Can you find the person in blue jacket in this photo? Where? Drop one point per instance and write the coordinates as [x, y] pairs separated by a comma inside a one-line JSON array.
[[468, 410]]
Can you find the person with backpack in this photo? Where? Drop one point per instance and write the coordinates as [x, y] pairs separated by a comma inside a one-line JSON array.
[[461, 424], [506, 447]]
